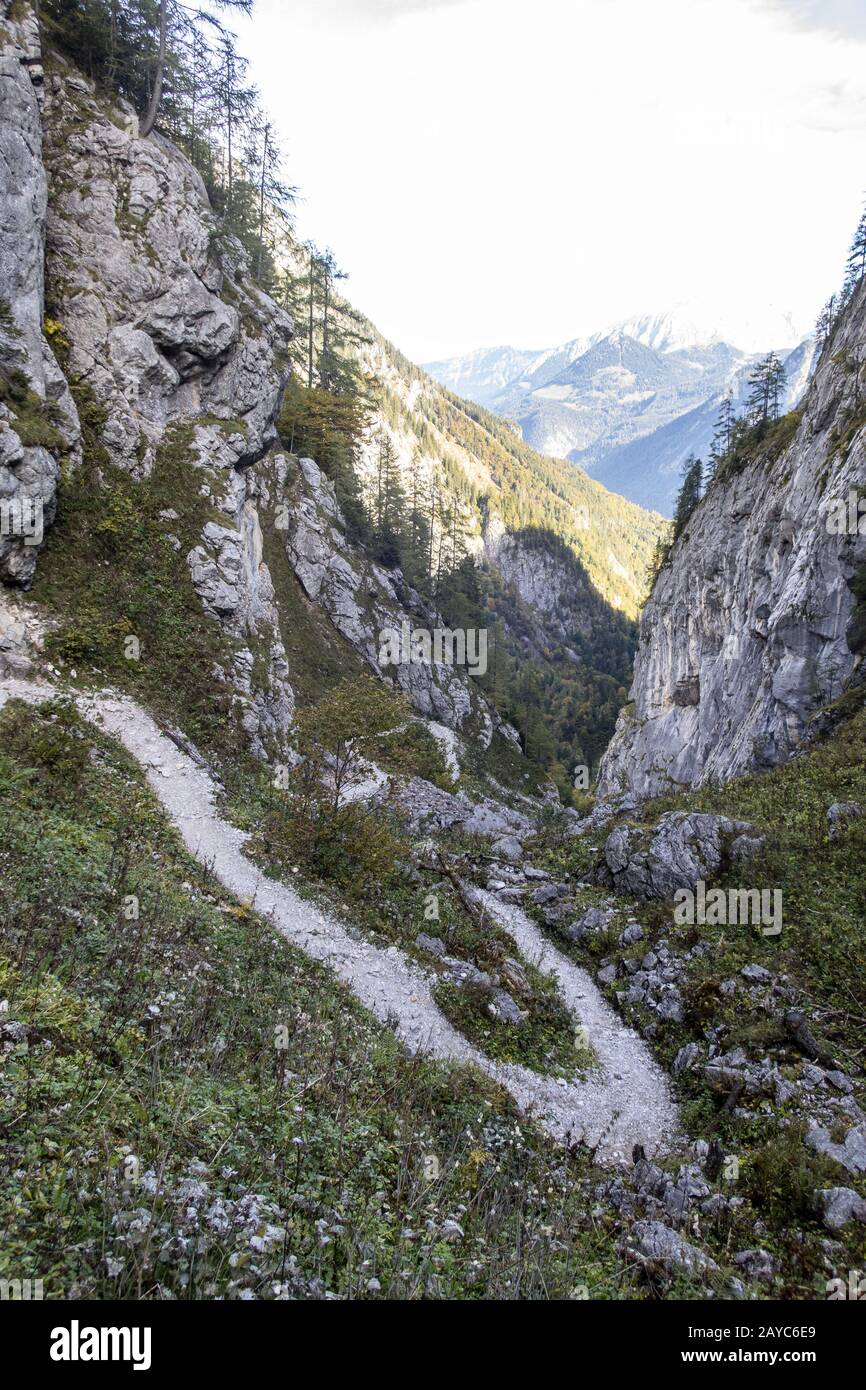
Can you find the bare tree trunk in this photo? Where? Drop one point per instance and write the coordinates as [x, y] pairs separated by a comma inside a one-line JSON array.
[[262, 201], [230, 192], [194, 92], [112, 43], [310, 328], [324, 376], [155, 96], [432, 527]]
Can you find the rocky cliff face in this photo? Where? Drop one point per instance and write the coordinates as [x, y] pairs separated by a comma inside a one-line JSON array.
[[363, 601], [161, 328], [749, 627], [170, 348], [38, 421], [541, 579], [161, 316], [613, 539]]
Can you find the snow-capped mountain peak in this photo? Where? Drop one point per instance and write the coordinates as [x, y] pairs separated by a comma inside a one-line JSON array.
[[691, 324], [630, 401]]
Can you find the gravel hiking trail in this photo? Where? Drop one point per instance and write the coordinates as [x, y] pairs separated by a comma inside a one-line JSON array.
[[623, 1101]]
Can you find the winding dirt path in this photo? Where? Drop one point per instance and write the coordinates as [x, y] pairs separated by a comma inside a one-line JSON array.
[[624, 1101], [626, 1070]]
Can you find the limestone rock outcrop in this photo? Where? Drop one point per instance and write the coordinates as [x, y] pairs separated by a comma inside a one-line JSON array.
[[178, 364], [749, 631], [163, 321], [684, 848], [230, 576], [38, 421], [364, 601]]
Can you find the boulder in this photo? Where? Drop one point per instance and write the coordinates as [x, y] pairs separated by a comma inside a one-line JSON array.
[[838, 1206], [503, 1007], [649, 1179], [686, 1058], [684, 847], [632, 933], [662, 1252], [464, 972], [424, 942], [850, 1154], [732, 1072], [756, 974], [759, 1266], [515, 976], [508, 847], [840, 814], [595, 919], [548, 893]]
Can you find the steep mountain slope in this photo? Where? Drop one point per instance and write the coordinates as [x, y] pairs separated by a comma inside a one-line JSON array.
[[33, 391], [192, 560], [610, 537], [561, 563], [255, 592], [172, 566], [753, 624]]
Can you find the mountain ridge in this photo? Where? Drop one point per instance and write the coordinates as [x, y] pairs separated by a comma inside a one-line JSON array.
[[602, 400]]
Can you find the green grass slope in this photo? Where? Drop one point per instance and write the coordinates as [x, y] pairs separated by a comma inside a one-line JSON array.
[[817, 963], [191, 1109]]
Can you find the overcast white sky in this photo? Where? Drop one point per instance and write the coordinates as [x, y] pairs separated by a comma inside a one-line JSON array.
[[526, 171]]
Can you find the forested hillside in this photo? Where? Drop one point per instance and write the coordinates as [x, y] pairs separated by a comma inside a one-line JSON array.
[[431, 483], [557, 566]]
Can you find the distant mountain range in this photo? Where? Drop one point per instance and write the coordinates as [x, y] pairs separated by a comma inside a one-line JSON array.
[[628, 403]]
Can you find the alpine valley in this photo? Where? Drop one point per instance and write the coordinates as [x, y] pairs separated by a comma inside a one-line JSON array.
[[630, 403], [425, 871]]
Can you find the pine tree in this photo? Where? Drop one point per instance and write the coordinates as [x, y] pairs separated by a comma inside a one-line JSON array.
[[722, 436], [149, 119], [661, 551], [826, 322], [431, 525], [766, 390], [389, 504], [689, 494], [178, 65], [857, 254], [275, 198], [330, 363], [174, 26], [778, 384], [326, 351], [236, 110], [416, 542]]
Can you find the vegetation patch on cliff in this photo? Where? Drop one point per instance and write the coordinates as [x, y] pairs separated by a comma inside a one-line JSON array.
[[115, 578]]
